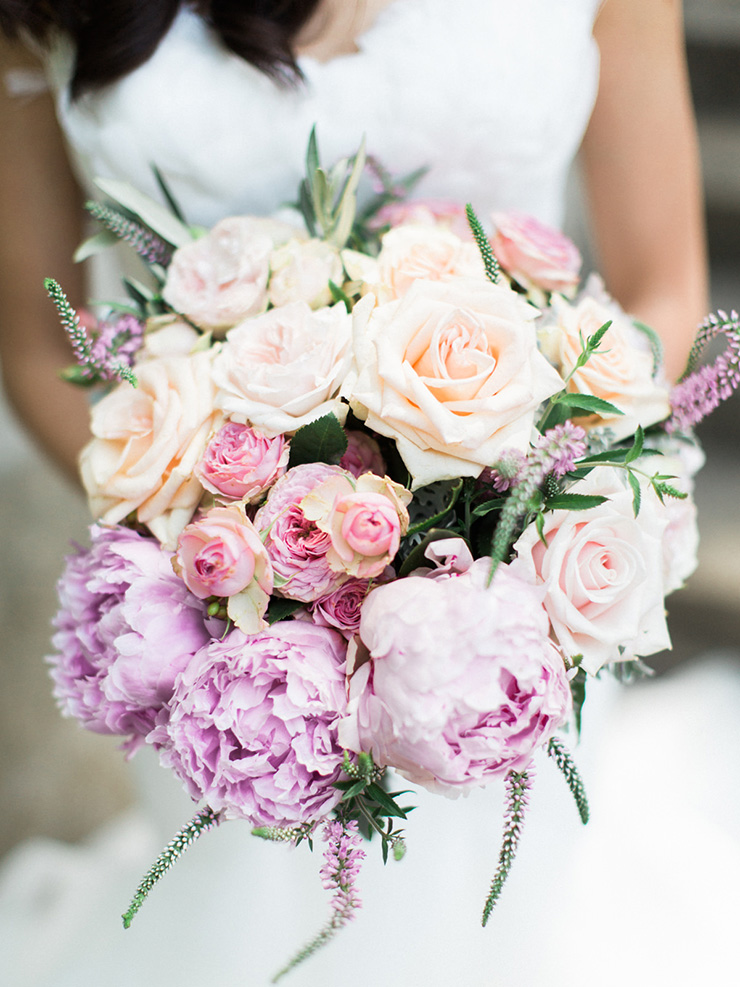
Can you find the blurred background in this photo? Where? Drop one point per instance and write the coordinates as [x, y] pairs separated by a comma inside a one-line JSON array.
[[59, 781]]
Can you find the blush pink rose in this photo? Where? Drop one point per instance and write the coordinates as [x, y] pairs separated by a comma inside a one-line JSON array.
[[365, 518], [534, 254], [221, 279], [602, 573], [240, 463], [425, 212], [410, 253], [221, 554], [283, 369], [452, 373], [363, 455], [146, 443]]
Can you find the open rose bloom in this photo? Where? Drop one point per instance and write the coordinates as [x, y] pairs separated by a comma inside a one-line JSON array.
[[369, 498]]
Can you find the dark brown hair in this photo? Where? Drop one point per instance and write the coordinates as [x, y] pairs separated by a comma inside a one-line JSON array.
[[113, 37]]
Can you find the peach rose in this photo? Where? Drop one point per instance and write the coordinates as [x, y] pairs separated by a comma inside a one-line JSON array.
[[284, 369], [301, 271], [412, 252], [534, 254], [221, 279], [620, 371], [221, 554], [452, 373], [602, 571], [147, 442]]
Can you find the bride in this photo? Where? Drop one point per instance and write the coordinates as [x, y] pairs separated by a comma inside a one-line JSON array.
[[494, 97]]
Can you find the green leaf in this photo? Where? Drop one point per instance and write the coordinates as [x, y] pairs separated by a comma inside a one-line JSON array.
[[169, 197], [495, 504], [636, 451], [588, 403], [593, 342], [383, 799], [156, 217], [340, 296], [430, 522], [280, 609], [139, 292], [321, 441], [354, 789], [578, 694], [574, 502], [636, 492], [94, 245]]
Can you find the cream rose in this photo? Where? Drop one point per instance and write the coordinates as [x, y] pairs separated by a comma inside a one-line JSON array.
[[221, 279], [301, 271], [284, 369], [452, 373], [621, 370], [147, 442], [602, 571], [418, 251]]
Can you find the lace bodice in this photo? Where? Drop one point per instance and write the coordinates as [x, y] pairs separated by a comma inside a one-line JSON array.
[[492, 95]]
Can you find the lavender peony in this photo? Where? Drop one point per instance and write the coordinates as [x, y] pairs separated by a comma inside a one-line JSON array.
[[462, 683], [127, 625], [253, 725]]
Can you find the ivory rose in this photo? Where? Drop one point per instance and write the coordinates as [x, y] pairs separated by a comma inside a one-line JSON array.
[[146, 443], [620, 371], [221, 554], [300, 271], [240, 463], [365, 518], [452, 373], [602, 572], [283, 369], [534, 254], [220, 279], [419, 251]]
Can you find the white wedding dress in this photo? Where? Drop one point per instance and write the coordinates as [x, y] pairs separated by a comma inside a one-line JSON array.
[[494, 96]]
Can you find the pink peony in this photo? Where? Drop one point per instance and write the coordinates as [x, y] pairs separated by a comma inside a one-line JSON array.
[[253, 725], [363, 455], [221, 554], [126, 627], [534, 254], [462, 684], [296, 546], [240, 463]]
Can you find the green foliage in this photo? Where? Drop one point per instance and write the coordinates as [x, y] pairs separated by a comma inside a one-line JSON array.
[[561, 756], [187, 835], [122, 226], [491, 265], [280, 609], [518, 784], [431, 522], [321, 441], [573, 502], [364, 799], [328, 200]]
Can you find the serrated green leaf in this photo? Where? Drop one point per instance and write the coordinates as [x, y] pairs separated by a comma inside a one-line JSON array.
[[280, 609], [588, 403], [384, 800], [155, 216], [574, 502], [321, 441], [636, 492], [636, 451]]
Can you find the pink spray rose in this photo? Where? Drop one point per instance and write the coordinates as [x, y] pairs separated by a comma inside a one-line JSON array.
[[342, 608], [363, 455], [240, 463], [534, 254], [365, 518], [297, 546], [463, 683], [125, 629], [221, 554], [253, 724], [602, 573], [221, 279]]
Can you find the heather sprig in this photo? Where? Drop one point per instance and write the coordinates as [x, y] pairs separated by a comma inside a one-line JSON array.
[[492, 267], [518, 786], [96, 362], [150, 247], [555, 453], [187, 835], [284, 834], [342, 860], [561, 756]]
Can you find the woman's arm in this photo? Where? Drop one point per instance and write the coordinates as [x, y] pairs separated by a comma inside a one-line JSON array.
[[41, 226], [642, 172]]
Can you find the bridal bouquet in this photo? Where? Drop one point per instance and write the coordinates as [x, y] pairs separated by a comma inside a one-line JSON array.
[[380, 492]]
